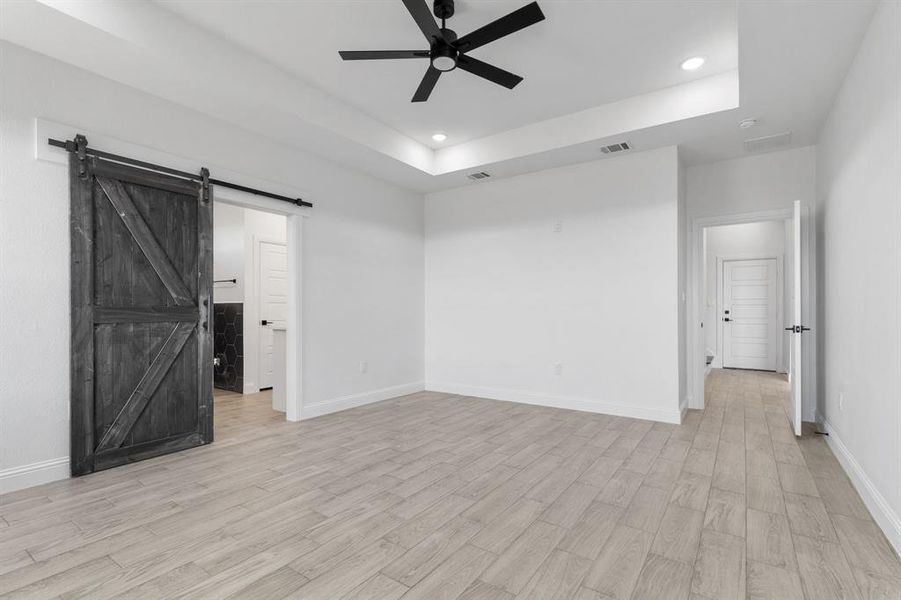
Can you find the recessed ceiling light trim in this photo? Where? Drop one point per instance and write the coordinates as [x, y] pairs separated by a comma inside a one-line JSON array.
[[439, 136], [694, 63]]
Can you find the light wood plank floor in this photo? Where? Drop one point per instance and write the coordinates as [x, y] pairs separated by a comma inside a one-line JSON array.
[[431, 496]]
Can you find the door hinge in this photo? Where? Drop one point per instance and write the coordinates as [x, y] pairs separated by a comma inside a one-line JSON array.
[[797, 329]]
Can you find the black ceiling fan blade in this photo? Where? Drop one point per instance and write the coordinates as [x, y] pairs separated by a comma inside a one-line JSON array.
[[426, 85], [489, 72], [422, 14], [518, 19], [382, 54]]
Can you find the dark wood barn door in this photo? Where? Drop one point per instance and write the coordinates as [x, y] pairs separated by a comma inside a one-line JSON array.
[[141, 331]]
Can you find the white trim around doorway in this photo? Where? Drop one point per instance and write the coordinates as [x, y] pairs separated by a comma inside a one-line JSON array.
[[696, 358]]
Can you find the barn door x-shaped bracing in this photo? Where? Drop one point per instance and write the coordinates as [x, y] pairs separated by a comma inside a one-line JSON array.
[[141, 332]]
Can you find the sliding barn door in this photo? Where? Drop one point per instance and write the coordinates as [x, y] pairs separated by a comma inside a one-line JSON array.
[[141, 332]]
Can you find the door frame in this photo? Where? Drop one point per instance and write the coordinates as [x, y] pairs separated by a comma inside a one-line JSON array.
[[256, 240], [720, 296], [696, 363], [296, 216]]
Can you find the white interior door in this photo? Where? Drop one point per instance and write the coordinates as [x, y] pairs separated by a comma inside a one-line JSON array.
[[273, 285], [750, 314], [796, 329]]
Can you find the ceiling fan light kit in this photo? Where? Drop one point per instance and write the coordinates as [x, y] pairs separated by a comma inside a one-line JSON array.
[[446, 51]]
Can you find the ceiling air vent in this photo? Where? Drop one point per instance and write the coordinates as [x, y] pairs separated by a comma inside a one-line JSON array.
[[616, 148], [768, 142], [479, 175]]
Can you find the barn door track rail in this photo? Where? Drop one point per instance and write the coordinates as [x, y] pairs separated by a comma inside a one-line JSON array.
[[79, 146]]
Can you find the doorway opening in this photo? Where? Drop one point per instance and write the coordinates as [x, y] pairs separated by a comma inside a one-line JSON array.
[[745, 296], [734, 267], [250, 300]]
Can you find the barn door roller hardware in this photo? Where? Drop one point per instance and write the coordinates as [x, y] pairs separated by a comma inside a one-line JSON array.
[[80, 147]]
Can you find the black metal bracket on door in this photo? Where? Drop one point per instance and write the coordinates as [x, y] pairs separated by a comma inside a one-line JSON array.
[[234, 280], [205, 183], [80, 147]]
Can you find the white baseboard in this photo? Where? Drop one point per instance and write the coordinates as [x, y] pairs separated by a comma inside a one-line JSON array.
[[310, 411], [882, 511], [250, 387], [19, 478], [567, 402]]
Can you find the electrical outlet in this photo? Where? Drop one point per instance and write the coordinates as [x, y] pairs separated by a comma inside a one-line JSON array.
[[364, 366], [558, 369], [841, 401]]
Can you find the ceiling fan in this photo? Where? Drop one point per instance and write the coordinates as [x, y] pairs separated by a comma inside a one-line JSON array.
[[447, 51]]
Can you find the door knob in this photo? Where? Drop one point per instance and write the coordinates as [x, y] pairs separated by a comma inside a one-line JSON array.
[[727, 319], [264, 322]]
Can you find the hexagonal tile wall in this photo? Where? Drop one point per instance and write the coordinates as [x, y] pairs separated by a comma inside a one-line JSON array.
[[228, 346]]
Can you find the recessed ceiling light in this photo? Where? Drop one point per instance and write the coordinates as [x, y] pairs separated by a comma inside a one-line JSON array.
[[693, 64], [439, 137]]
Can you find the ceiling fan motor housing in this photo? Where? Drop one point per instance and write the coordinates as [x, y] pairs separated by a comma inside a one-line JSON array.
[[444, 57], [443, 9], [443, 54]]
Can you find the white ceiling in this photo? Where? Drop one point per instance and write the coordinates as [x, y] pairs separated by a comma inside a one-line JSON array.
[[582, 55], [595, 72]]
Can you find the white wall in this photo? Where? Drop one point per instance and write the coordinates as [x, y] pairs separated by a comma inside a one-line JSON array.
[[228, 252], [859, 187], [765, 182], [768, 181], [764, 239], [508, 296], [362, 254], [682, 289]]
